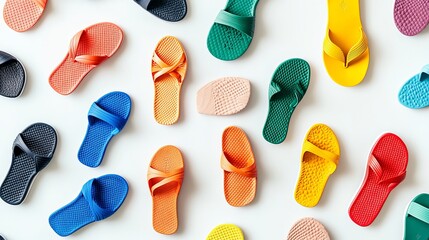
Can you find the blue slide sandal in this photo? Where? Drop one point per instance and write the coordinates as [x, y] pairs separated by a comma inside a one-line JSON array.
[[107, 116], [415, 92], [99, 199]]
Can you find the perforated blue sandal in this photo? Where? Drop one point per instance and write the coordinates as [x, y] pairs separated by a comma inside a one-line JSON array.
[[107, 116], [99, 199], [415, 92]]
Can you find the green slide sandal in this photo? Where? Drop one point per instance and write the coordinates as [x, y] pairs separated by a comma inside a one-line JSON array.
[[417, 218], [288, 86], [232, 31]]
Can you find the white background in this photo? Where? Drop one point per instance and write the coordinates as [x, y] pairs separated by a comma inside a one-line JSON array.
[[284, 29]]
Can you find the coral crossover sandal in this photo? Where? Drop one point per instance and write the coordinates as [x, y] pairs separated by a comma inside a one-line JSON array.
[[239, 167], [232, 32], [165, 176], [386, 169], [169, 64], [319, 159], [88, 48], [226, 232], [21, 15], [417, 218], [345, 48]]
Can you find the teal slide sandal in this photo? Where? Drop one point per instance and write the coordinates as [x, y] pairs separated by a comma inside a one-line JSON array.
[[232, 32], [415, 92], [417, 218]]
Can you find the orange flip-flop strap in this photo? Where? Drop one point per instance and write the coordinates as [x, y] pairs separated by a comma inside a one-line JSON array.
[[249, 171], [177, 70], [157, 179], [41, 3], [86, 59]]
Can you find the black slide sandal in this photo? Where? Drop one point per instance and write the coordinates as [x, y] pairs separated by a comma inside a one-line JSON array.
[[32, 151], [168, 10], [12, 76]]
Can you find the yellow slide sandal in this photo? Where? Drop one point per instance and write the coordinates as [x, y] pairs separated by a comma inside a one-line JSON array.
[[319, 159], [225, 232], [345, 48]]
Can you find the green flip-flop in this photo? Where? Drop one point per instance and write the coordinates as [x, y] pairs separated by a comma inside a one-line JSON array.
[[287, 87], [417, 218], [232, 31]]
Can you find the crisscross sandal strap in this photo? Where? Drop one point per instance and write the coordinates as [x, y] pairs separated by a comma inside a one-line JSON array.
[[424, 74], [85, 59], [144, 3], [243, 24], [177, 70], [98, 212], [332, 50], [99, 113], [40, 161], [375, 166], [157, 179], [248, 171], [311, 148], [5, 57], [41, 3], [419, 211]]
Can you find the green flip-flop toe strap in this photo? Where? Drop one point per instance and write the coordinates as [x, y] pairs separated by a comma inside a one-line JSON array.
[[244, 24]]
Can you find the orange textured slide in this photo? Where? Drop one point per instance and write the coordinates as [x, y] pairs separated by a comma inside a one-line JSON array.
[[165, 176], [88, 48], [21, 15], [239, 167], [169, 66]]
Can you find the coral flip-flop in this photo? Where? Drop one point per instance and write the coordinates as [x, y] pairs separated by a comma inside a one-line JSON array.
[[165, 176], [345, 48], [232, 32], [417, 218], [12, 76], [411, 16], [33, 150], [415, 92], [239, 167], [225, 232], [169, 64], [287, 87], [106, 118], [224, 96], [319, 159], [99, 199], [386, 169], [308, 229], [168, 10], [88, 48], [21, 15]]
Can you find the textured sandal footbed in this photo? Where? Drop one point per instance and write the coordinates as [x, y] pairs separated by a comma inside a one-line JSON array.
[[99, 133], [109, 193], [40, 139], [287, 75], [168, 10], [226, 232], [21, 15], [228, 43], [12, 77], [411, 16], [413, 226], [415, 92]]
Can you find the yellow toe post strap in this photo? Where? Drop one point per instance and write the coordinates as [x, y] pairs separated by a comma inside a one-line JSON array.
[[310, 147], [332, 50]]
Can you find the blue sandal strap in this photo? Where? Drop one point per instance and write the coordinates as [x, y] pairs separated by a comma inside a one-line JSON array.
[[243, 24], [418, 211], [99, 212], [99, 113]]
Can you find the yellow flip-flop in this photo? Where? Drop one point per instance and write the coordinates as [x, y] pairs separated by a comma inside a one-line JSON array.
[[319, 159], [345, 48]]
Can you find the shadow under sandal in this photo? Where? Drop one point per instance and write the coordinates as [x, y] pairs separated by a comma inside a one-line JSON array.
[[287, 88], [99, 199], [417, 218], [33, 149], [168, 10], [106, 118], [12, 76], [232, 32]]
